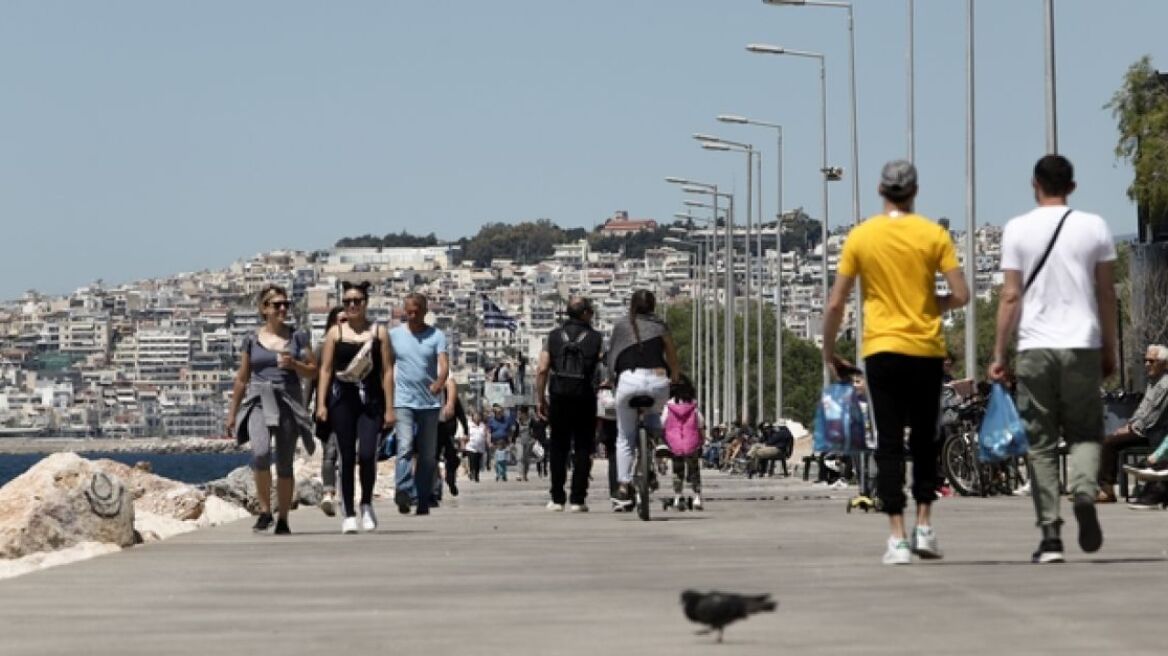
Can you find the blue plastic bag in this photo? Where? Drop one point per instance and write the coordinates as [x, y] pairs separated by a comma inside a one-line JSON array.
[[1002, 435], [388, 447], [839, 421]]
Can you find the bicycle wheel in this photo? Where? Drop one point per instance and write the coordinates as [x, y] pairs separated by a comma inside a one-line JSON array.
[[644, 471], [960, 464]]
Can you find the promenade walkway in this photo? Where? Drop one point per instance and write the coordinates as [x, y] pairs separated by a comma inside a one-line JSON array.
[[499, 574]]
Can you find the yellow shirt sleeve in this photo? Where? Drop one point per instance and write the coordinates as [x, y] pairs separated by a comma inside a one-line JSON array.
[[948, 260], [849, 264]]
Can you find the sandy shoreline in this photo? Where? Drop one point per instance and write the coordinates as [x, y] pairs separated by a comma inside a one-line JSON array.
[[22, 445]]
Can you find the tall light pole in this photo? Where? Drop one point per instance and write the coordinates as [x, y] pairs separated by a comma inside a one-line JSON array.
[[729, 370], [710, 312], [1051, 105], [715, 143], [910, 67], [828, 172], [727, 388], [742, 120], [970, 201], [856, 218]]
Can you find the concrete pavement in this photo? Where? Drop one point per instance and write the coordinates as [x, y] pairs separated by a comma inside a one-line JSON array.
[[499, 574]]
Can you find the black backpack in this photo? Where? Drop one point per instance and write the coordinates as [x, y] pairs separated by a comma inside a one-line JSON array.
[[572, 373]]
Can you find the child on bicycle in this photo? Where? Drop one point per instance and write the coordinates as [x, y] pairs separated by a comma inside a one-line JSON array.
[[684, 431]]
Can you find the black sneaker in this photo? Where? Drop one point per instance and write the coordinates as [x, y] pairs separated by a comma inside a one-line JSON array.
[[1050, 550], [282, 527], [1090, 534], [454, 489], [263, 522], [402, 499]]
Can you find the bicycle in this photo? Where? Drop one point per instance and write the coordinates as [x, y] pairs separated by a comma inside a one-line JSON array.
[[968, 475], [644, 469]]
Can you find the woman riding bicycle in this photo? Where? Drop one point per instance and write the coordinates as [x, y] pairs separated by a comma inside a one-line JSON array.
[[643, 358]]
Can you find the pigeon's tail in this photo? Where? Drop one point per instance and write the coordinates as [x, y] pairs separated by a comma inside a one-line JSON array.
[[759, 604]]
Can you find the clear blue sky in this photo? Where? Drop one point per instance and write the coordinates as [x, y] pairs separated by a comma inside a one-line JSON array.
[[140, 138]]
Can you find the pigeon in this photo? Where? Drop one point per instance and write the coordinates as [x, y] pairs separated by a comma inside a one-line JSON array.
[[718, 609]]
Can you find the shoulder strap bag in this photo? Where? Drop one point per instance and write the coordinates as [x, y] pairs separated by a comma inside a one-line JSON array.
[[1045, 255]]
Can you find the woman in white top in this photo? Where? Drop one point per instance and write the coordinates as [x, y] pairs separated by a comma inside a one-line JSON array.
[[476, 445]]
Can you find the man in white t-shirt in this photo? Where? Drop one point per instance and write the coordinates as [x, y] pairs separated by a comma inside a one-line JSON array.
[[1059, 293]]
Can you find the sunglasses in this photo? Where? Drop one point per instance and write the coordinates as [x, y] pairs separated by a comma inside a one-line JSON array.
[[1149, 361], [352, 302], [279, 305]]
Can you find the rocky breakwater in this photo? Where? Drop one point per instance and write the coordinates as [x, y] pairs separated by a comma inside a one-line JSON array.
[[66, 508]]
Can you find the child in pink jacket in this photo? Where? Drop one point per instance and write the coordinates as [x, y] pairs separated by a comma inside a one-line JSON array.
[[684, 431]]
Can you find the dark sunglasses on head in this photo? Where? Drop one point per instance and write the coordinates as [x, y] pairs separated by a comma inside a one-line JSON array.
[[352, 302], [279, 305]]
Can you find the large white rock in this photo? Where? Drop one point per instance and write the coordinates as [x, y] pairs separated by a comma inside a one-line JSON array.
[[44, 559], [216, 511], [63, 501], [157, 495]]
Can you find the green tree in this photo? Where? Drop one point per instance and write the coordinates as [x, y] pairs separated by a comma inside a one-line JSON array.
[[1140, 107], [802, 372]]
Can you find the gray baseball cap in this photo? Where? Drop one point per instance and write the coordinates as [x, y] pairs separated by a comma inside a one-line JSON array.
[[898, 176]]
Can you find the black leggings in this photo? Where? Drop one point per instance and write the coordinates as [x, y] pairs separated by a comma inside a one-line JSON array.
[[475, 465], [358, 430], [905, 391], [448, 453]]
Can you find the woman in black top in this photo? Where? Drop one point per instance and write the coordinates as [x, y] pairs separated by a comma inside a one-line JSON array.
[[643, 358], [359, 408]]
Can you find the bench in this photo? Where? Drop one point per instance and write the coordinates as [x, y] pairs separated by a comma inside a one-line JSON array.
[[1133, 455]]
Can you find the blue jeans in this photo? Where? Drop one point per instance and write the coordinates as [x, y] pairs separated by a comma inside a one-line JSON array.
[[417, 437]]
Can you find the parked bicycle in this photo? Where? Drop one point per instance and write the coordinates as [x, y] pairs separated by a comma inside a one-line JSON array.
[[959, 450]]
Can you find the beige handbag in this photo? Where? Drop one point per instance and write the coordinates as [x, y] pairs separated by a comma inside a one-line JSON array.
[[360, 366]]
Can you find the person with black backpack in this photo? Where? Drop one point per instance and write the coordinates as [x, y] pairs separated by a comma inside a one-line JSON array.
[[565, 373]]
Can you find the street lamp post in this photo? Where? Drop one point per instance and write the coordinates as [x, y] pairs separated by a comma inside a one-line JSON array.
[[910, 66], [711, 400], [728, 329], [715, 143], [729, 393], [856, 218], [741, 120], [828, 173], [970, 202], [727, 390], [1051, 106]]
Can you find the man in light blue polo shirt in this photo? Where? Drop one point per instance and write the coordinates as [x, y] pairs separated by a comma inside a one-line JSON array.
[[420, 367]]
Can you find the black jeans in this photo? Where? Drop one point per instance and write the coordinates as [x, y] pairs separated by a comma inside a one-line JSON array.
[[358, 431], [905, 391], [573, 425], [448, 454], [475, 465], [1109, 457]]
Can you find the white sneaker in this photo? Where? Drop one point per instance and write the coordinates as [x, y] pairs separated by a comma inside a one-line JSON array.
[[368, 518], [678, 503], [555, 507], [1023, 491], [328, 505], [578, 507], [898, 552], [697, 502], [349, 525], [924, 543]]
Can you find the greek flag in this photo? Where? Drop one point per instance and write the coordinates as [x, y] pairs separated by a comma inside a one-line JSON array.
[[495, 317]]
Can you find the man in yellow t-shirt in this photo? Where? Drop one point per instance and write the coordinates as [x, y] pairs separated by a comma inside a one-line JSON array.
[[897, 256]]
